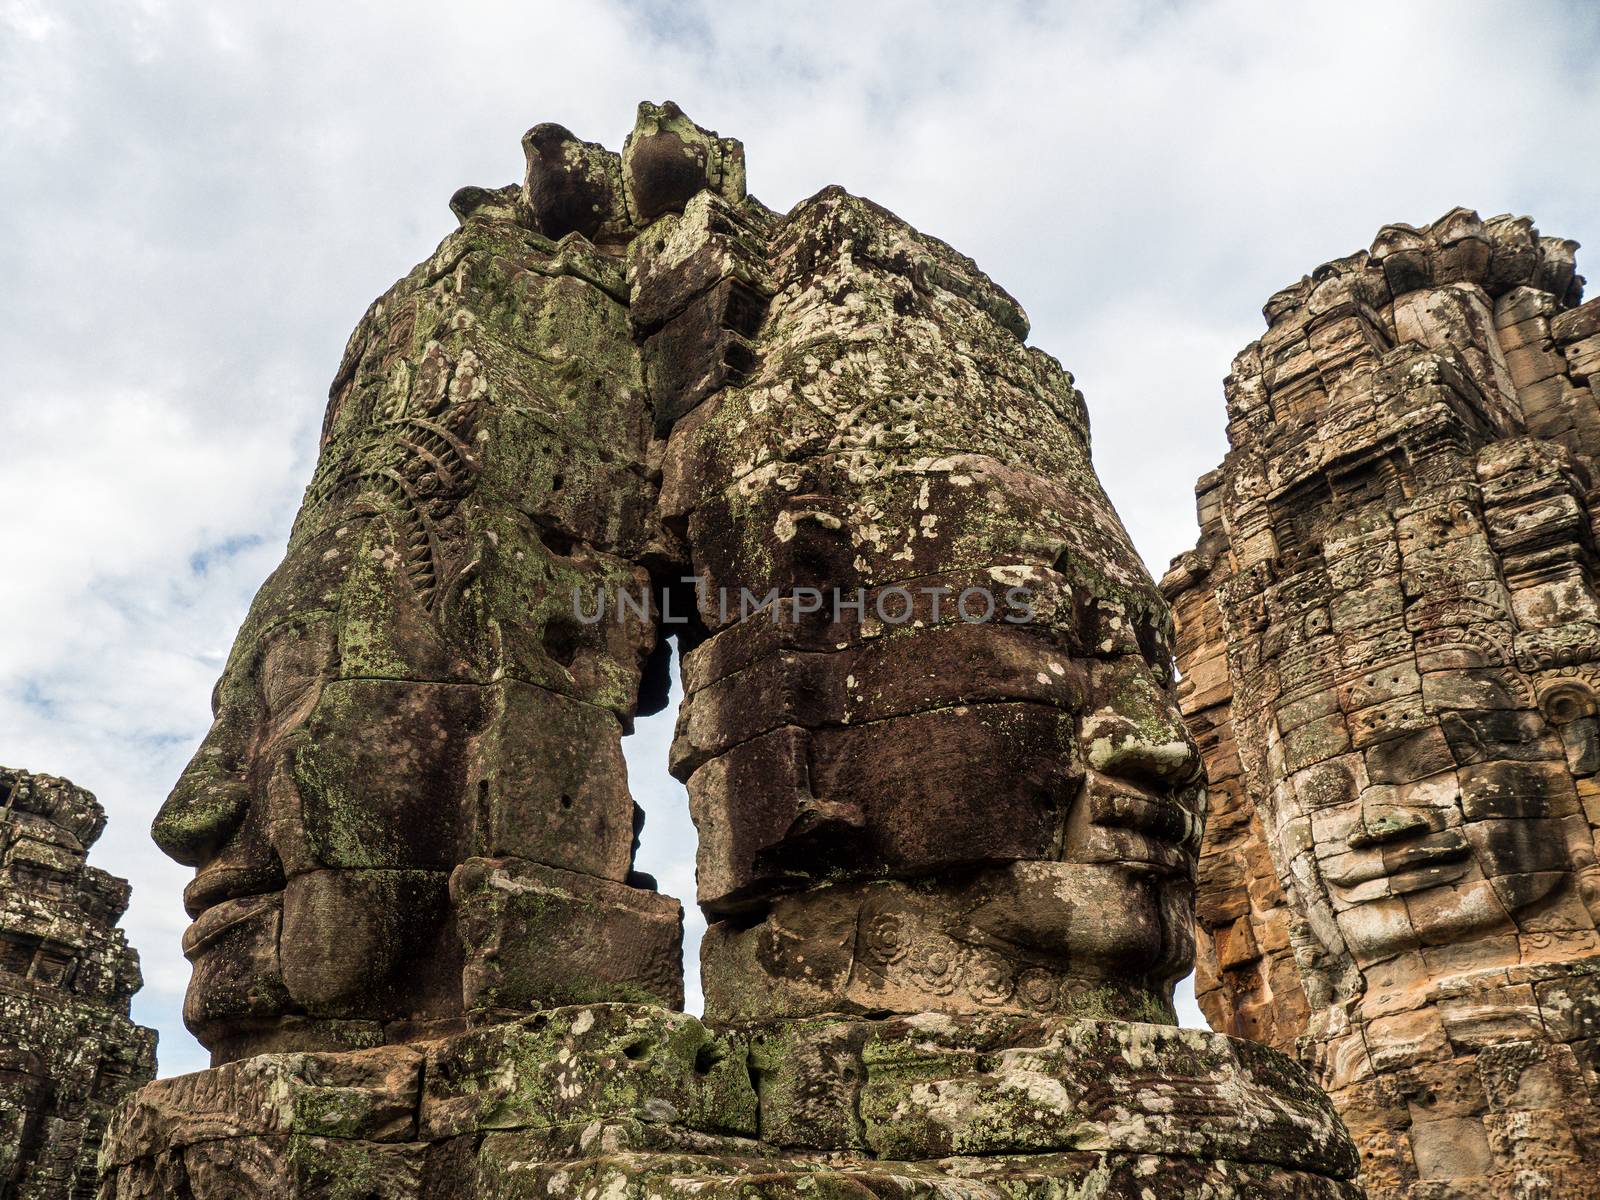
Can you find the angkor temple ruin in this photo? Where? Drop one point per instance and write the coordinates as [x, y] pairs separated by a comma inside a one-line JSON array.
[[947, 854], [68, 1050], [1390, 642], [950, 815]]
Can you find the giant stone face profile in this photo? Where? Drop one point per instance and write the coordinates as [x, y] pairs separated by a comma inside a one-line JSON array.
[[942, 813], [411, 698], [415, 693], [948, 812]]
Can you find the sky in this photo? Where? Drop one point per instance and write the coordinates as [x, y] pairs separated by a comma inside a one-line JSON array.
[[202, 198]]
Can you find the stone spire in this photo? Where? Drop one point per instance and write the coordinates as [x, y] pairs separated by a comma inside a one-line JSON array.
[[68, 1051]]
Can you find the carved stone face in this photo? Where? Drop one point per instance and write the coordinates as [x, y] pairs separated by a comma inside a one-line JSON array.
[[1135, 828], [1005, 817], [411, 690], [914, 807], [1420, 792], [322, 813], [331, 804], [1470, 830]]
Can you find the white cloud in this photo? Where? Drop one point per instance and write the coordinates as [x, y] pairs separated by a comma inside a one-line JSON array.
[[204, 196]]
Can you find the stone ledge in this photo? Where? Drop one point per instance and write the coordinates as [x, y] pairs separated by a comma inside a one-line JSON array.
[[618, 1101]]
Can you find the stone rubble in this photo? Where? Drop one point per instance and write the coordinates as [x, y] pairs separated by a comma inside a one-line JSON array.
[[68, 1050], [947, 857], [1389, 638]]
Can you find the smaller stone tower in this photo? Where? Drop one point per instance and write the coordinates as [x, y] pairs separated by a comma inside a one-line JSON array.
[[68, 1049], [1389, 635]]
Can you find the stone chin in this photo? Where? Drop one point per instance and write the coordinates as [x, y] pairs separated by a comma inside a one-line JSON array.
[[327, 959], [237, 979], [1146, 934], [1110, 919]]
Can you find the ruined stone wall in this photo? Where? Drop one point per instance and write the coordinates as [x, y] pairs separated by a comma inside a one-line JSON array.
[[68, 1051], [633, 1102], [1389, 634]]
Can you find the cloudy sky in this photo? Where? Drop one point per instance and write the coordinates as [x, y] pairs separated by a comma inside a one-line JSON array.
[[202, 198]]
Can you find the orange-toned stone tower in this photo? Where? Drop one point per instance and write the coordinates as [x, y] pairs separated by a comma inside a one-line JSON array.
[[1389, 636]]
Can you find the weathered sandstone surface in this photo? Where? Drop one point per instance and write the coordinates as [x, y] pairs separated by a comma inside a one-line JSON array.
[[68, 1050], [1390, 641]]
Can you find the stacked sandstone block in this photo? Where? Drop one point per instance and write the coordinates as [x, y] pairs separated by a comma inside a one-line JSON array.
[[898, 448], [68, 1051], [1390, 641]]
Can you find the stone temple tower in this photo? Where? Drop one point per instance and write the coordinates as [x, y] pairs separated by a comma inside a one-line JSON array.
[[68, 1051], [947, 809], [1389, 634]]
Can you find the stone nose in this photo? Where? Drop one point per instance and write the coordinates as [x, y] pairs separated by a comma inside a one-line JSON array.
[[1381, 824], [206, 806], [1135, 731]]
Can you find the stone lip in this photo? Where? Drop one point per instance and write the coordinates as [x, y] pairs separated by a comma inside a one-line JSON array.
[[922, 1096]]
